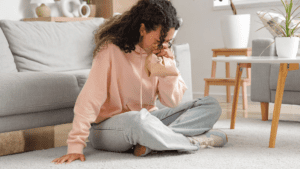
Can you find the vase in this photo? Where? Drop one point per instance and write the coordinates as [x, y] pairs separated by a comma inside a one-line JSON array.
[[287, 47], [93, 10], [235, 30], [86, 7], [65, 5], [56, 10], [43, 11]]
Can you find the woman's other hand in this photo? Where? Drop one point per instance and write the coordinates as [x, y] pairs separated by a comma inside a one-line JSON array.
[[68, 158], [165, 51]]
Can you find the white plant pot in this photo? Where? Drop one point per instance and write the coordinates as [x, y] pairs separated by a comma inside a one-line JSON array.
[[235, 30], [287, 47]]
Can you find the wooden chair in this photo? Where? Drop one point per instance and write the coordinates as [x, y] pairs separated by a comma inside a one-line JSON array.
[[229, 81]]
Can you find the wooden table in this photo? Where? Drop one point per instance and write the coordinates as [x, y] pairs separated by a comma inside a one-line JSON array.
[[228, 82], [286, 65]]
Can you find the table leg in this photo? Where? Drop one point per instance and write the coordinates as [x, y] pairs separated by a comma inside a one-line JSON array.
[[239, 71], [283, 71]]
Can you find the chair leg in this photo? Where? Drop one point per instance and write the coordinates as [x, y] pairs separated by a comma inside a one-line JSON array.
[[206, 90], [264, 110], [244, 93], [228, 94], [228, 76]]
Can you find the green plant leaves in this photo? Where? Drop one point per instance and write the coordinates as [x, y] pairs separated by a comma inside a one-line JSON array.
[[287, 31]]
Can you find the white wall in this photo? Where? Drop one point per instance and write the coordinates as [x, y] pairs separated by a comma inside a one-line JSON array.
[[201, 29], [19, 9]]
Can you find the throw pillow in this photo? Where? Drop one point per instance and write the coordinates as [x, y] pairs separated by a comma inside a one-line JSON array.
[[268, 18], [51, 46], [7, 63]]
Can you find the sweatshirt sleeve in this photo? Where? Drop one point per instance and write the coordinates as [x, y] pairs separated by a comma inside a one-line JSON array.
[[89, 101], [171, 88]]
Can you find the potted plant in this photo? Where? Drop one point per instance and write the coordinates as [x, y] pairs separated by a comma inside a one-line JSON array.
[[92, 7], [286, 42], [235, 29]]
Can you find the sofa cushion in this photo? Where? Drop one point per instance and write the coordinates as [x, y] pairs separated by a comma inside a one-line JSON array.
[[7, 63], [51, 46], [292, 80], [29, 92]]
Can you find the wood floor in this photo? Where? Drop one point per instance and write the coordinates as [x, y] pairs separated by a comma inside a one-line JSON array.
[[56, 136]]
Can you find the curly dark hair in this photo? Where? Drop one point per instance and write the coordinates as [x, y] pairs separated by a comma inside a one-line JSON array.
[[123, 30]]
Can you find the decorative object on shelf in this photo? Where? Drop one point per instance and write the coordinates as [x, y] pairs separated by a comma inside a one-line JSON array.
[[65, 4], [93, 8], [235, 29], [86, 7], [56, 10], [43, 10], [284, 28]]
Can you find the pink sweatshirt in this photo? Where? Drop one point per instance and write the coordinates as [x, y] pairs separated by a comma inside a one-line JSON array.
[[117, 83]]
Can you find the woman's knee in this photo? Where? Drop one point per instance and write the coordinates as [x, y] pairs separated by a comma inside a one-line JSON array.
[[213, 104], [216, 105]]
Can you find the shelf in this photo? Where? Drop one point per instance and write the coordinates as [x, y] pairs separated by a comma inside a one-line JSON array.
[[58, 19]]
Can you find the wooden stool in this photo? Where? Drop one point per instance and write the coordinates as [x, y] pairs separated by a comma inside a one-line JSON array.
[[229, 81]]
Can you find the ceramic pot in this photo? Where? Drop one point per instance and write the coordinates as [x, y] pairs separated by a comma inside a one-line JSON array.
[[235, 30], [86, 7], [55, 9], [43, 11], [65, 5], [287, 47], [93, 10]]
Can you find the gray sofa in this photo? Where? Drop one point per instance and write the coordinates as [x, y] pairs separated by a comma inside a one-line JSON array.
[[264, 76], [43, 67]]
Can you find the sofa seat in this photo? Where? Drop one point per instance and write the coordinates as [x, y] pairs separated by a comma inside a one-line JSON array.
[[29, 92], [292, 79]]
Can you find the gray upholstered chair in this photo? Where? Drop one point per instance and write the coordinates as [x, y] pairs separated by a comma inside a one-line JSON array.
[[264, 78]]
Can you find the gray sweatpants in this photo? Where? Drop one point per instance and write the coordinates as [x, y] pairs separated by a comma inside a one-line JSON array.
[[163, 129]]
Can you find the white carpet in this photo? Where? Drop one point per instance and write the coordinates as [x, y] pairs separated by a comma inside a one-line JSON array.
[[247, 148]]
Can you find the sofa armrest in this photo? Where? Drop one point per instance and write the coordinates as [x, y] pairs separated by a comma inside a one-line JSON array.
[[260, 72], [258, 45], [29, 92]]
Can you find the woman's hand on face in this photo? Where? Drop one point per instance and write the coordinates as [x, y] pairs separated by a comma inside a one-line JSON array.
[[68, 158], [166, 52]]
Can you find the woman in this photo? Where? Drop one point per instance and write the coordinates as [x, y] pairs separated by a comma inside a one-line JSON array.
[[110, 110]]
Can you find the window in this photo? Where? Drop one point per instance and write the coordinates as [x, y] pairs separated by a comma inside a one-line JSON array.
[[225, 4], [218, 3]]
